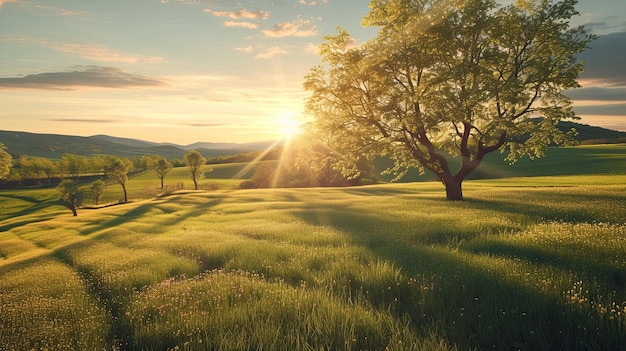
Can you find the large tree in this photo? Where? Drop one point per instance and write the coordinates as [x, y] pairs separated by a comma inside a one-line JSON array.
[[5, 162], [196, 166], [459, 77]]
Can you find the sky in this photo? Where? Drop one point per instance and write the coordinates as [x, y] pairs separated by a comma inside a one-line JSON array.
[[185, 71]]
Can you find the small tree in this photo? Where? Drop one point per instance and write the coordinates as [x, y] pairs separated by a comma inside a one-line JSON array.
[[161, 166], [5, 162], [97, 189], [118, 170], [196, 166], [70, 195]]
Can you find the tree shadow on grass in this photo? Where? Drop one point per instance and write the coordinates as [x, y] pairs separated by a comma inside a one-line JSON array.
[[471, 303], [535, 209], [190, 210]]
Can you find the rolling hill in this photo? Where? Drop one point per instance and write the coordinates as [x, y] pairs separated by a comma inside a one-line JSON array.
[[54, 146]]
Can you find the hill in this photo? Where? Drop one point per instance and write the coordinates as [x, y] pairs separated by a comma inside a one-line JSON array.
[[593, 135], [54, 146]]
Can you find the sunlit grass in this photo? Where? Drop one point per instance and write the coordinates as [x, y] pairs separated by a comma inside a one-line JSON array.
[[45, 306], [527, 263]]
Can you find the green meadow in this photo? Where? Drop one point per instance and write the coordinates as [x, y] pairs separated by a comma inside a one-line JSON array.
[[524, 263]]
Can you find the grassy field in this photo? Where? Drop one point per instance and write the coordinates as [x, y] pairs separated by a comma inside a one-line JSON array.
[[579, 160], [523, 264]]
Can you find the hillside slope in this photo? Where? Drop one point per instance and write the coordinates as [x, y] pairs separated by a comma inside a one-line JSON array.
[[54, 146]]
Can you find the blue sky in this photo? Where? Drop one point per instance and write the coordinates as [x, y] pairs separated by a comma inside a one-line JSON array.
[[212, 70]]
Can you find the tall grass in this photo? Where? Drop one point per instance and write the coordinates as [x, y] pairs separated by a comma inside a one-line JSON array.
[[525, 264]]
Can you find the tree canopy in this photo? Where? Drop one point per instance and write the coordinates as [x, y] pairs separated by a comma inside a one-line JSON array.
[[5, 162], [456, 77], [97, 189], [196, 166], [70, 195], [161, 166], [118, 170]]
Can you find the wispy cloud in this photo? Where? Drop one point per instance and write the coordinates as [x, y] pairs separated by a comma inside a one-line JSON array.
[[311, 48], [312, 2], [92, 76], [102, 54], [88, 51], [249, 25], [271, 52], [605, 61], [240, 14], [294, 28], [200, 125], [84, 120], [244, 49]]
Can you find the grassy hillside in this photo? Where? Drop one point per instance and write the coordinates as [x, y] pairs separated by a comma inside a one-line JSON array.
[[54, 146], [588, 159], [523, 264]]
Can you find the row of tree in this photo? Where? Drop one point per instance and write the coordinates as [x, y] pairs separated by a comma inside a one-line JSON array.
[[72, 168]]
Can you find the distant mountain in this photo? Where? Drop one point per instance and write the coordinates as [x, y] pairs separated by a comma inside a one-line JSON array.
[[55, 145], [126, 141], [262, 145]]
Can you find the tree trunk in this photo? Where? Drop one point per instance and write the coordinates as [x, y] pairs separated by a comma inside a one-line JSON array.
[[454, 191], [125, 195], [161, 185], [73, 210]]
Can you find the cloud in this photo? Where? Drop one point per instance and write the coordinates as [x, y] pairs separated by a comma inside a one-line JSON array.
[[271, 52], [294, 28], [598, 94], [618, 109], [100, 53], [244, 49], [84, 120], [199, 125], [241, 24], [311, 48], [312, 2], [240, 14], [605, 61], [91, 76], [88, 51]]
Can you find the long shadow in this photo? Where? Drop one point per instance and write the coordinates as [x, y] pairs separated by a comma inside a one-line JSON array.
[[473, 305], [21, 197], [537, 211], [138, 211], [613, 276]]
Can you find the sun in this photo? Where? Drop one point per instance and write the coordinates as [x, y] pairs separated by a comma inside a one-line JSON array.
[[290, 125]]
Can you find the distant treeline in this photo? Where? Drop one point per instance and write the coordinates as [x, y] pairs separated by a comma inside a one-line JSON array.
[[27, 171]]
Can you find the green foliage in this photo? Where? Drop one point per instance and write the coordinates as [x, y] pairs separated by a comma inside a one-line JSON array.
[[70, 195], [533, 263], [456, 77], [118, 169], [195, 163], [5, 162], [306, 161], [161, 166], [97, 189]]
